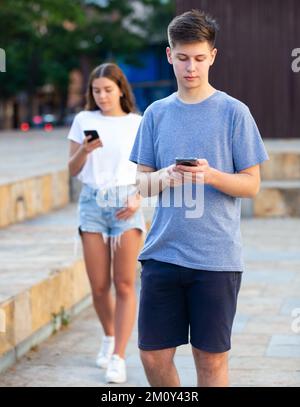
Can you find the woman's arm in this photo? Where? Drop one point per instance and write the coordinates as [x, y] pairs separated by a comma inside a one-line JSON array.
[[78, 154]]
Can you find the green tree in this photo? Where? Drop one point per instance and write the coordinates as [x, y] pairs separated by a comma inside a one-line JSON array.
[[45, 39], [24, 26]]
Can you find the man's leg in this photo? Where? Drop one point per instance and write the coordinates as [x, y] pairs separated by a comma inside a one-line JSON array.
[[163, 321], [160, 368], [212, 368], [212, 299]]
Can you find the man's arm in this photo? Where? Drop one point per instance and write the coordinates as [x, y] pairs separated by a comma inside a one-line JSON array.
[[244, 184], [149, 181]]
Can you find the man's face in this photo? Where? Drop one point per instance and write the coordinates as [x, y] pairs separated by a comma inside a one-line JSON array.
[[191, 63]]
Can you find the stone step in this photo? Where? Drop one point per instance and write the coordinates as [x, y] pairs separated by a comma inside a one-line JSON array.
[[43, 283], [28, 198], [284, 163], [275, 199], [34, 178], [281, 166]]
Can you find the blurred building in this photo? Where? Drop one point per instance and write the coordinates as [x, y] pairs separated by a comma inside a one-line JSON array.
[[254, 62], [154, 79]]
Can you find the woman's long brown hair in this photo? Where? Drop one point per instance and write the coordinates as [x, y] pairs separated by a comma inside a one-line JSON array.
[[114, 73]]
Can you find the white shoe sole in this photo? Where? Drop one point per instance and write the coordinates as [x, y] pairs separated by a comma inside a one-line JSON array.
[[102, 365], [117, 381]]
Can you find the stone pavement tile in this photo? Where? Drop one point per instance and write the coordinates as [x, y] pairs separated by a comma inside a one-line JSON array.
[[269, 324], [261, 378], [259, 306], [290, 304], [184, 361], [188, 377], [272, 254], [248, 349], [267, 276], [290, 289], [252, 290], [251, 338], [264, 363], [293, 340], [249, 344], [285, 346], [55, 376], [284, 351], [275, 266], [136, 375], [185, 350], [239, 323]]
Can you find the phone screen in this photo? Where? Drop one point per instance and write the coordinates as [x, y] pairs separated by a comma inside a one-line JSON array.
[[191, 162], [92, 133]]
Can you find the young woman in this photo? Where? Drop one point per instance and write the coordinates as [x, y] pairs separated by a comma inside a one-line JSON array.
[[111, 222]]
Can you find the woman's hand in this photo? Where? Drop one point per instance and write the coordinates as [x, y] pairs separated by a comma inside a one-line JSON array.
[[89, 147], [132, 205]]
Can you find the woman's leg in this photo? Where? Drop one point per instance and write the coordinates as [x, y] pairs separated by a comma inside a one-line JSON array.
[[125, 262], [97, 261]]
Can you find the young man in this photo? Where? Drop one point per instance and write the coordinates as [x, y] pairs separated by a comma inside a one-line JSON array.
[[192, 266]]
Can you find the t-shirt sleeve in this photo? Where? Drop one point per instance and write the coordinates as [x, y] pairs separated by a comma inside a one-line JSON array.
[[143, 148], [76, 133], [248, 147]]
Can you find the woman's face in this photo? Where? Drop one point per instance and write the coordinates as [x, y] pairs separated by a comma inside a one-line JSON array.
[[107, 95]]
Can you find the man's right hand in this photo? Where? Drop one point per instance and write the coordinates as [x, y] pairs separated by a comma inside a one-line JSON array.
[[171, 178]]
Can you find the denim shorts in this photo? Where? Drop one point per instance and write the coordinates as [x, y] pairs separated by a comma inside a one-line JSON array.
[[179, 304], [97, 212]]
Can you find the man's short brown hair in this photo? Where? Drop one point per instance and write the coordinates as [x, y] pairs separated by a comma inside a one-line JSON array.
[[192, 26]]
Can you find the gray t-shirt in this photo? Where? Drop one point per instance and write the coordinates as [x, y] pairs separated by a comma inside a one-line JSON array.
[[221, 130]]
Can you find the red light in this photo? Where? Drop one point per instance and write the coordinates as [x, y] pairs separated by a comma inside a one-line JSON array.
[[24, 126], [48, 127], [37, 119]]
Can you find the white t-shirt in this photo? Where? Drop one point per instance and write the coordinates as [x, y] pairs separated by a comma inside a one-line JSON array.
[[109, 165]]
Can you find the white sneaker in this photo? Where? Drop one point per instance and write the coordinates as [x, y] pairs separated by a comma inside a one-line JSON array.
[[116, 370], [107, 348]]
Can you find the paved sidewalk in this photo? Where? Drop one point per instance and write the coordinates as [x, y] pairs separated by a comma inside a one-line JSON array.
[[266, 350]]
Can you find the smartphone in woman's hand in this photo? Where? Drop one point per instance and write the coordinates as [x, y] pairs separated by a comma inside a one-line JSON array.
[[94, 135]]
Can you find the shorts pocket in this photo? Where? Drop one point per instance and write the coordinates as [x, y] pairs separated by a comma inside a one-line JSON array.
[[85, 195]]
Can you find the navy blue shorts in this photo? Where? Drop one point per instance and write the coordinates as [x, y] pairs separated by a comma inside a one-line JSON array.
[[176, 302]]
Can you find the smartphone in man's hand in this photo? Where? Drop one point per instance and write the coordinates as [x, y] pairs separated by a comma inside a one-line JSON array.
[[189, 161], [92, 133]]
